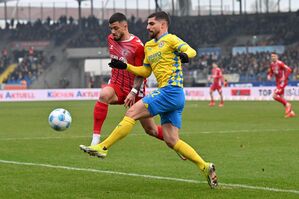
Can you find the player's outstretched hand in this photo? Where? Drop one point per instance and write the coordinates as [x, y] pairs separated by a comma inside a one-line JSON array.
[[117, 64], [184, 57], [130, 100]]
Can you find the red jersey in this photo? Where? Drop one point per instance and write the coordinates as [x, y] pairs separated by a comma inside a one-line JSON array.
[[129, 51], [217, 76], [281, 72]]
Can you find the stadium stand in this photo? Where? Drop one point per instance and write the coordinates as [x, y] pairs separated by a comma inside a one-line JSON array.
[[250, 66], [223, 31]]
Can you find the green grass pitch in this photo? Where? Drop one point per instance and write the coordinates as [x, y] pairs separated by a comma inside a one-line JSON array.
[[255, 150]]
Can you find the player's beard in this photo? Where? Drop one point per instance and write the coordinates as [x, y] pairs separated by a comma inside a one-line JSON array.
[[153, 34], [118, 37]]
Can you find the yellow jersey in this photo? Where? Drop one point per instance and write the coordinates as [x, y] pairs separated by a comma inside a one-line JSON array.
[[161, 55]]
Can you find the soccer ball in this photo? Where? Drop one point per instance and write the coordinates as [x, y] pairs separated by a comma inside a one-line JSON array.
[[60, 119]]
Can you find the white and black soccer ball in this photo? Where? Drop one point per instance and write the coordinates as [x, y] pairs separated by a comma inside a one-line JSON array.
[[60, 119]]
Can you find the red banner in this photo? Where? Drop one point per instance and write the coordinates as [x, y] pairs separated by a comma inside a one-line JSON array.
[[241, 92]]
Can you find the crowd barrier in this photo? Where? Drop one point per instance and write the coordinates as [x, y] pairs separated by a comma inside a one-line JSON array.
[[194, 93]]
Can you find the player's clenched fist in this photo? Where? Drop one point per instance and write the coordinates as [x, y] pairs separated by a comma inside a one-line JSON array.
[[117, 64], [184, 57]]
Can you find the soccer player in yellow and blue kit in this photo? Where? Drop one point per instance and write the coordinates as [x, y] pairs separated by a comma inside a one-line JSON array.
[[164, 55]]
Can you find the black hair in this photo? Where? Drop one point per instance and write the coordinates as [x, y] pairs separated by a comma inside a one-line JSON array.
[[275, 53], [117, 17], [161, 15]]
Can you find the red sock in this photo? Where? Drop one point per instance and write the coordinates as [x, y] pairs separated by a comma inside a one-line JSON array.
[[281, 100], [160, 133], [99, 115]]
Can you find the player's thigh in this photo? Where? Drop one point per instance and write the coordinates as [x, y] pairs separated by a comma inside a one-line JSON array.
[[219, 89], [108, 95], [279, 90], [212, 88], [173, 117], [138, 111]]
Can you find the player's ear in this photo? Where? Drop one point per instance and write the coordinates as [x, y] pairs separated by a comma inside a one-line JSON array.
[[164, 23], [125, 25]]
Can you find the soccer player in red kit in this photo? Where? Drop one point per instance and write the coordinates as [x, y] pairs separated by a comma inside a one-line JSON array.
[[281, 72], [218, 80], [124, 87]]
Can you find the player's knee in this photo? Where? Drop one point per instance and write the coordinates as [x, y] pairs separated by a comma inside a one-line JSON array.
[[170, 141], [104, 98], [133, 113], [150, 131], [130, 113]]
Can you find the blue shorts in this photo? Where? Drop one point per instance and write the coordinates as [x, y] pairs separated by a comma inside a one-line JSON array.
[[168, 102]]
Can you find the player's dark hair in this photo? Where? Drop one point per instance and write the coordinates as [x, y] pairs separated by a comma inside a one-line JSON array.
[[161, 15], [117, 17], [275, 53]]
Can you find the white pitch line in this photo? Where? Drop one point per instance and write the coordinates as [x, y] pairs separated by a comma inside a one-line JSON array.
[[136, 134], [149, 176], [246, 131], [43, 138]]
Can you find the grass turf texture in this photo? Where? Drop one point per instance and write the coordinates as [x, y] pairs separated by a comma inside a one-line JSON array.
[[251, 143]]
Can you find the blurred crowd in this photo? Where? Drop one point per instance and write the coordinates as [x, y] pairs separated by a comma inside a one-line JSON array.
[[205, 31], [4, 60], [198, 31], [252, 67], [57, 31], [30, 64]]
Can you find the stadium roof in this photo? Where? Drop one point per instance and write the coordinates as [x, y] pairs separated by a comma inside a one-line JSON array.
[[1, 1]]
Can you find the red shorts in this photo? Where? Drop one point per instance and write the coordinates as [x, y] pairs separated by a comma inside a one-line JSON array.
[[121, 93], [279, 90], [280, 86], [216, 87]]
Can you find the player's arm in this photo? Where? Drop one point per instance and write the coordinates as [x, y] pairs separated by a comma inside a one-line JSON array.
[[221, 77], [188, 50], [140, 61], [287, 69], [138, 80], [130, 99], [209, 78], [143, 71], [184, 50], [270, 73], [140, 70], [287, 72]]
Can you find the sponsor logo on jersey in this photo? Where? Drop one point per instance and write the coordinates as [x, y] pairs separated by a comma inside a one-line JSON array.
[[161, 44], [125, 52], [155, 57]]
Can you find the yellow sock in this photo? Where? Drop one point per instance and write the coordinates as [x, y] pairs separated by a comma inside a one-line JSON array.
[[188, 152], [122, 130]]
